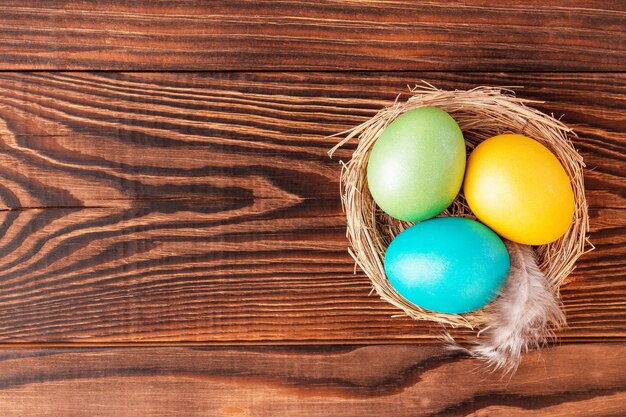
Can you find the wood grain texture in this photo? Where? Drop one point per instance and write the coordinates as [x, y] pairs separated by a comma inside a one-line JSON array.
[[489, 35], [139, 207], [565, 381]]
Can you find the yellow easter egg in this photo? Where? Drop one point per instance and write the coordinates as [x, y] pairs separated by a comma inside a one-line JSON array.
[[518, 188]]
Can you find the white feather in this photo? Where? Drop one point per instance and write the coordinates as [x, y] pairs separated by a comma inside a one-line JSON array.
[[523, 317]]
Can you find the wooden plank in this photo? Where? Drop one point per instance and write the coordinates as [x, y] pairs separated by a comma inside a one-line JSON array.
[[489, 35], [571, 380], [146, 207]]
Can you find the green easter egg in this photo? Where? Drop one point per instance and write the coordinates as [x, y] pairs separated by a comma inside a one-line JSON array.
[[415, 169]]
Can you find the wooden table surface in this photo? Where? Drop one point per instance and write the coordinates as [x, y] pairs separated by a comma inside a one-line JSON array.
[[172, 236]]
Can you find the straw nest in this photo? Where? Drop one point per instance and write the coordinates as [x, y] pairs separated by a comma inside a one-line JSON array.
[[481, 113]]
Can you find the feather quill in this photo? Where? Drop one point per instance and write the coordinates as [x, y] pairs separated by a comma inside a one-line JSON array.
[[522, 318]]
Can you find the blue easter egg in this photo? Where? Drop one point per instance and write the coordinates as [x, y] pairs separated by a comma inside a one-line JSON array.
[[447, 264]]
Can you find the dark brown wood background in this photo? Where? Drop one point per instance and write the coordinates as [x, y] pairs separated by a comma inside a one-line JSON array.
[[172, 241]]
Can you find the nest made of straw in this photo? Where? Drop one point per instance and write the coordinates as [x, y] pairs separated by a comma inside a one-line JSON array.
[[481, 113]]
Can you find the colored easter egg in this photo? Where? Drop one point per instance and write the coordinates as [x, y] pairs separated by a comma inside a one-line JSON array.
[[415, 169], [518, 188], [447, 264]]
